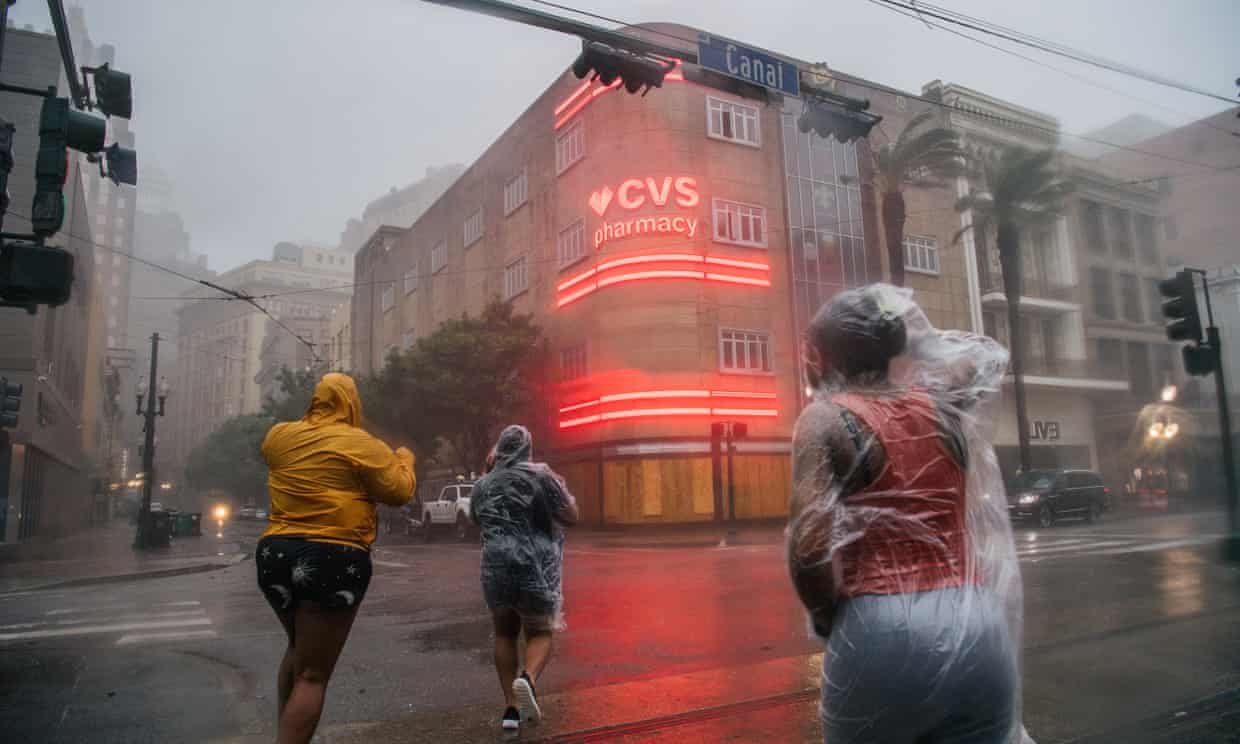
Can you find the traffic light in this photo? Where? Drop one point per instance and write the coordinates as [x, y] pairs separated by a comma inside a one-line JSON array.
[[113, 92], [10, 402], [740, 430], [122, 165], [1180, 307], [636, 71], [1200, 359], [828, 118], [32, 275], [60, 129]]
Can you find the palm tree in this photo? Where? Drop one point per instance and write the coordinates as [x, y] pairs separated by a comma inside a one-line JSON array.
[[1019, 190], [919, 157]]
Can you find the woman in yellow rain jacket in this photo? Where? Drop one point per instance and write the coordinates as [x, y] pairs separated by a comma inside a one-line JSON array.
[[326, 476]]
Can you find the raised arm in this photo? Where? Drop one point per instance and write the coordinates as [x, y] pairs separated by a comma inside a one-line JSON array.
[[387, 476]]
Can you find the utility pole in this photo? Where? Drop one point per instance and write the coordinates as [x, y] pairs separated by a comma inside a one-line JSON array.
[[1231, 544], [146, 537]]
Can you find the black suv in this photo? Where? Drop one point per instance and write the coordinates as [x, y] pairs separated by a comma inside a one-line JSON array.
[[1047, 496]]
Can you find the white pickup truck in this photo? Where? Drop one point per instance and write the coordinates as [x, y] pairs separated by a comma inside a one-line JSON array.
[[449, 511]]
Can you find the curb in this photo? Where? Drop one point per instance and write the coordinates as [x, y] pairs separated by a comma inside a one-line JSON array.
[[225, 562]]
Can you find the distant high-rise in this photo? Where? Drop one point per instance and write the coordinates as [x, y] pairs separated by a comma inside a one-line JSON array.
[[400, 207]]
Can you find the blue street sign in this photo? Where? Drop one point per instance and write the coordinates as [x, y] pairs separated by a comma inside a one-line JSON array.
[[750, 65]]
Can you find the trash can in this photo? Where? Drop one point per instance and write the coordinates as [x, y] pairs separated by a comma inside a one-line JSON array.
[[186, 525], [160, 533], [195, 524]]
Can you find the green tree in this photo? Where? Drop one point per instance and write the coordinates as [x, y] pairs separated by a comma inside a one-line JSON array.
[[462, 383], [296, 391], [1016, 190], [230, 460], [921, 156]]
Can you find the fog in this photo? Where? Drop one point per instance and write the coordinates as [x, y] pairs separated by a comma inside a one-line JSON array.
[[280, 120]]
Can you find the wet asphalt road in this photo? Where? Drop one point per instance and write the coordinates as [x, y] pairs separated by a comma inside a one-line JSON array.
[[1124, 620]]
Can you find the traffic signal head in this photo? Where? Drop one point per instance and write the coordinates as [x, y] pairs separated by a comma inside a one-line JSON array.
[[60, 128], [831, 119], [113, 92], [1180, 307], [740, 430], [122, 165], [1200, 359], [10, 402], [32, 275], [637, 72]]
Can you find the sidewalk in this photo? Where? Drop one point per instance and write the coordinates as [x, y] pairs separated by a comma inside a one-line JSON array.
[[105, 553]]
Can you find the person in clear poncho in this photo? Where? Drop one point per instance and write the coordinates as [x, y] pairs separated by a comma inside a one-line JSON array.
[[899, 543], [521, 507]]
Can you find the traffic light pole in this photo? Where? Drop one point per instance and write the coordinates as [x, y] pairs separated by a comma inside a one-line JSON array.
[[143, 539], [1231, 544]]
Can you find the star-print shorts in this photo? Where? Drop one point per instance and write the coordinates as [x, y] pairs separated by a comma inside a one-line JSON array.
[[293, 569]]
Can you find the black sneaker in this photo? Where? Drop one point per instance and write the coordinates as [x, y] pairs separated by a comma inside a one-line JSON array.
[[511, 720], [527, 700]]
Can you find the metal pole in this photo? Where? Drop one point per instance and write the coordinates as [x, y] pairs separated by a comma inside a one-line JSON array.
[[56, 9], [1232, 544], [731, 489], [4, 24], [148, 450]]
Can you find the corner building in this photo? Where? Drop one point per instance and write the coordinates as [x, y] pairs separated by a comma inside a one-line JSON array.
[[653, 240]]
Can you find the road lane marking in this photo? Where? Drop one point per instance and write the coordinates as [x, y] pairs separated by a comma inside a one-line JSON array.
[[391, 564], [117, 618], [110, 628], [189, 635], [188, 603], [1033, 552]]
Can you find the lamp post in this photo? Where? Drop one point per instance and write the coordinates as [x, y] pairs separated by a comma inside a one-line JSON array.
[[145, 537]]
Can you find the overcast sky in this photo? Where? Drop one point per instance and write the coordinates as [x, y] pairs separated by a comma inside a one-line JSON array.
[[279, 120]]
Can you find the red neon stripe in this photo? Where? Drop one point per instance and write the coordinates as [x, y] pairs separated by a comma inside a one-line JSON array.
[[652, 258], [580, 89], [641, 275], [763, 412], [738, 264], [646, 412], [737, 394], [655, 394], [580, 277], [577, 295], [579, 421], [730, 279], [579, 406]]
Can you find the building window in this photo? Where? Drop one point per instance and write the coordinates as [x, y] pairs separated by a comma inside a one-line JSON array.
[[742, 224], [116, 259], [921, 254], [747, 352], [570, 146], [515, 192], [439, 256], [573, 363], [1100, 288], [388, 299], [1139, 370], [407, 338], [570, 246], [473, 228], [1091, 225], [734, 122], [1170, 230], [101, 219], [516, 278], [1111, 356], [1143, 225], [1121, 235], [98, 260], [411, 281], [318, 257], [1130, 295]]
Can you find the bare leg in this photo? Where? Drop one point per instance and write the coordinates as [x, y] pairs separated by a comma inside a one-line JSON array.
[[321, 635], [537, 652], [284, 678], [507, 631]]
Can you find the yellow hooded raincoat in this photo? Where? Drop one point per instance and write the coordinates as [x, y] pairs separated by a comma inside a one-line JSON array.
[[327, 473]]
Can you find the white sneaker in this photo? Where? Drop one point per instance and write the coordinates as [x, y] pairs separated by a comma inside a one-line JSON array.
[[511, 720], [527, 701]]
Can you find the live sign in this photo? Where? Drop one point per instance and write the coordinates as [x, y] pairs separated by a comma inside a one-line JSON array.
[[744, 63]]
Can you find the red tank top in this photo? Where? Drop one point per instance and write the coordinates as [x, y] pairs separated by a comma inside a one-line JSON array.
[[912, 516]]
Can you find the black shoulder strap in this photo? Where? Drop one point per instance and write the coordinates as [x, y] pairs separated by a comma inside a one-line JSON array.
[[862, 468]]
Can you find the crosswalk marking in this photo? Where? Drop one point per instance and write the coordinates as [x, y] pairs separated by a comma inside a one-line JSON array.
[[108, 628], [118, 618], [189, 635]]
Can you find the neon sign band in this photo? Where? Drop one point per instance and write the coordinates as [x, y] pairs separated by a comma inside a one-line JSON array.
[[703, 398], [691, 266]]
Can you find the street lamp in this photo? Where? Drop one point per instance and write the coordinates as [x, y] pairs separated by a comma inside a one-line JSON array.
[[1169, 393]]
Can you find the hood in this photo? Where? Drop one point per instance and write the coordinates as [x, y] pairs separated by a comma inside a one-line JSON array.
[[515, 445], [335, 402]]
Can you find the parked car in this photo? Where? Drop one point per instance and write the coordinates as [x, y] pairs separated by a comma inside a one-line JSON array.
[[247, 512], [261, 514], [450, 510], [1046, 496]]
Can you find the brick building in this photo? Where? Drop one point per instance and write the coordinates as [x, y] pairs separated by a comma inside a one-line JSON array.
[[673, 248]]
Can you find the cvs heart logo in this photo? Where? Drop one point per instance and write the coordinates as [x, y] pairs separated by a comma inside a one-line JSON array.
[[600, 200]]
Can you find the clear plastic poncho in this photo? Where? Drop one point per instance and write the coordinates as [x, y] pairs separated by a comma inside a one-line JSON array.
[[899, 541], [519, 507]]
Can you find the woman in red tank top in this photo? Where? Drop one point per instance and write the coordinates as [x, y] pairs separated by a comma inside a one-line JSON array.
[[898, 542]]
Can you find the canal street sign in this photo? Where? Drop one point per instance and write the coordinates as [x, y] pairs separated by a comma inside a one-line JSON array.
[[752, 66]]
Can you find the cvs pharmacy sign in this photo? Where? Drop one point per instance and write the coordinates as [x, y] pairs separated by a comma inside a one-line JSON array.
[[635, 193]]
